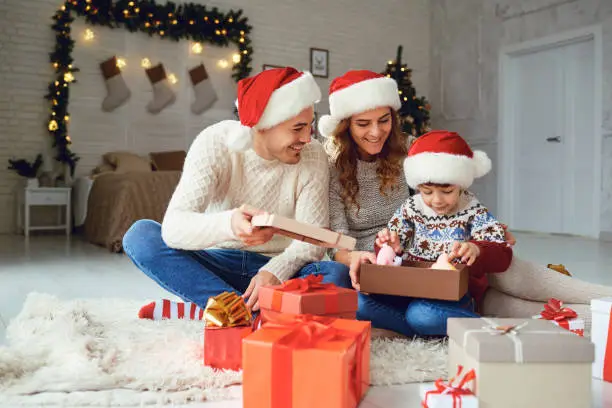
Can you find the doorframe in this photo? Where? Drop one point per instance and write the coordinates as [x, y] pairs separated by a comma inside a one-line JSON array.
[[505, 147]]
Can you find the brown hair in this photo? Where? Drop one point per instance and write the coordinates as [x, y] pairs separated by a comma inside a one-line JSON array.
[[444, 185], [343, 150]]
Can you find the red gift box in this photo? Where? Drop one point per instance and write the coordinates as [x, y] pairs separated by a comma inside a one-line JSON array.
[[562, 316], [306, 361], [308, 296]]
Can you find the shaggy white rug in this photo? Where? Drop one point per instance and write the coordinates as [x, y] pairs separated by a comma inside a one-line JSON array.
[[96, 352]]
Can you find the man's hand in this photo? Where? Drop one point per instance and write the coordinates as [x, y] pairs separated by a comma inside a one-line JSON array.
[[390, 238], [358, 258], [242, 228], [467, 251], [263, 278]]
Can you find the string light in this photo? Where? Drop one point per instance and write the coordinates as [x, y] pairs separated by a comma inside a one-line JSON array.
[[217, 32], [245, 52], [68, 139], [191, 22], [137, 10], [63, 8], [400, 91], [174, 22], [216, 21], [68, 77], [223, 63], [172, 78], [403, 69], [55, 65], [89, 34], [145, 63], [407, 99], [121, 63], [390, 62], [67, 118], [161, 32], [197, 48], [236, 58], [241, 39], [230, 20], [147, 24], [126, 12], [131, 4], [53, 125]]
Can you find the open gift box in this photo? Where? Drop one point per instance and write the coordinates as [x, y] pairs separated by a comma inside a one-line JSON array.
[[415, 279]]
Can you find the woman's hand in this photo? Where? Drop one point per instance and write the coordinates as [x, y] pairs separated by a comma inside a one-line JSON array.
[[357, 259], [509, 237], [390, 238], [467, 251]]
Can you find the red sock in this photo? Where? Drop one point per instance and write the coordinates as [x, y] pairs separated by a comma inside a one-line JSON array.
[[167, 309]]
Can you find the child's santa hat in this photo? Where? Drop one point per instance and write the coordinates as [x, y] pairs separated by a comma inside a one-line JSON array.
[[444, 157], [356, 92], [270, 98]]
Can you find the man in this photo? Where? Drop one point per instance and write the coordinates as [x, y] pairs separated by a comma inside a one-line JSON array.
[[266, 162]]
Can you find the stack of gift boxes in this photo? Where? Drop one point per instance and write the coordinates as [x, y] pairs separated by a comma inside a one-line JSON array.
[[305, 348]]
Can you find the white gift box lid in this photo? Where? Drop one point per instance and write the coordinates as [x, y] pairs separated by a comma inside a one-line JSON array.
[[603, 305]]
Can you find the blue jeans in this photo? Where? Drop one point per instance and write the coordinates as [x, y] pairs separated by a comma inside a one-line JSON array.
[[413, 316], [194, 276]]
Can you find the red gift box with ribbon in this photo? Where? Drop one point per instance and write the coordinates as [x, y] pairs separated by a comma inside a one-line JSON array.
[[306, 361], [308, 295], [562, 316]]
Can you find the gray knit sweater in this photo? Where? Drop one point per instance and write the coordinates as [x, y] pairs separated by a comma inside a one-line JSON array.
[[375, 209]]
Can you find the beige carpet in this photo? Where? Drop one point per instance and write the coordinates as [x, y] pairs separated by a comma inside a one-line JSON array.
[[96, 352]]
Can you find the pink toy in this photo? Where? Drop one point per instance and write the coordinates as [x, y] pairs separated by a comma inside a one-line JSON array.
[[386, 256], [443, 263]]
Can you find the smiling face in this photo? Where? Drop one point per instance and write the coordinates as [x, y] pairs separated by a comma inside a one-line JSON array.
[[285, 141], [370, 130], [443, 199]]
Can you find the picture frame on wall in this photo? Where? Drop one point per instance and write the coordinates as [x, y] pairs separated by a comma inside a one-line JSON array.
[[266, 67], [319, 62]]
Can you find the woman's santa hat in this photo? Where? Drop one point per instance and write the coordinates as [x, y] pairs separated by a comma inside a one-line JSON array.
[[444, 157], [356, 92], [270, 98]]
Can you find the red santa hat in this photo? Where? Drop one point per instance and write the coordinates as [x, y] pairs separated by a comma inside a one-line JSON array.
[[270, 98], [356, 92], [444, 157]]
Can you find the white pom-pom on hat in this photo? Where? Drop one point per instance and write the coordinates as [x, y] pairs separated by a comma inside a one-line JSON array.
[[327, 125]]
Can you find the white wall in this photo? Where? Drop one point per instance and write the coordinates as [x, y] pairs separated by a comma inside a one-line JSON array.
[[466, 37], [358, 34]]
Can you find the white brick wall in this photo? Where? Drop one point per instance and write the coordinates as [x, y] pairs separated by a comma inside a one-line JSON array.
[[358, 33]]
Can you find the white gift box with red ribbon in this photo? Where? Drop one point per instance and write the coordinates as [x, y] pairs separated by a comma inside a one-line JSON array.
[[563, 317], [601, 337], [449, 395]]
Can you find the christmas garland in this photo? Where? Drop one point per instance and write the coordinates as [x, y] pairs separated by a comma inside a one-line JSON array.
[[176, 22]]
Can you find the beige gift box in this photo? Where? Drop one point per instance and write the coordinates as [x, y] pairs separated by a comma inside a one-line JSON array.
[[534, 364]]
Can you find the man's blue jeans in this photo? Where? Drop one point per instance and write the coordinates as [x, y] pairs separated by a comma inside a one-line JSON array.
[[194, 276]]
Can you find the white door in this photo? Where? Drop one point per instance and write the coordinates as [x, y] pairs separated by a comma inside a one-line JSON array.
[[552, 112]]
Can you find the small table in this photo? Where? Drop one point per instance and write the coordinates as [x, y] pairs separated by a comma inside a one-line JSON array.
[[45, 196]]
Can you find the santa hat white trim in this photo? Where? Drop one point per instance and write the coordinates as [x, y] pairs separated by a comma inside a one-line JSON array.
[[444, 168], [289, 100], [360, 97]]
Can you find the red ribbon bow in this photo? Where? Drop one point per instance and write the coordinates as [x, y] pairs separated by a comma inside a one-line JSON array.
[[307, 284], [306, 332], [457, 392], [554, 310]]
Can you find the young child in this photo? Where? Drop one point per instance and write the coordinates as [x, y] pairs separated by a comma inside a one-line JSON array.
[[444, 217]]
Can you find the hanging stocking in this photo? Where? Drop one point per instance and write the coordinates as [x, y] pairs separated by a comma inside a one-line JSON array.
[[205, 95], [163, 95], [117, 90]]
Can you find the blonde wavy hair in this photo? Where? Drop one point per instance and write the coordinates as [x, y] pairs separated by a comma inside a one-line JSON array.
[[342, 150]]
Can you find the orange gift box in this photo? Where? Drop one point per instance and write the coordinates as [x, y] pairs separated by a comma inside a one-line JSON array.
[[308, 296], [306, 361], [268, 315]]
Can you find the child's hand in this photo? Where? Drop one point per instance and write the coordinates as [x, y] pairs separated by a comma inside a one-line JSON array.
[[390, 238], [467, 251]]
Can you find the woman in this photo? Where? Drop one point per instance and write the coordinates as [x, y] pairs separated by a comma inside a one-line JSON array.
[[366, 149]]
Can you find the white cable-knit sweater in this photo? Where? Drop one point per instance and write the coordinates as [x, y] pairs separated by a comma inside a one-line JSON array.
[[216, 180]]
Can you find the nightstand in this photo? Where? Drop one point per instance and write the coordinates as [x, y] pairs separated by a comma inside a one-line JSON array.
[[44, 196]]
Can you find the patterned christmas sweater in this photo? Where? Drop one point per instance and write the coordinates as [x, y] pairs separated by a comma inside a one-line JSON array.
[[424, 235]]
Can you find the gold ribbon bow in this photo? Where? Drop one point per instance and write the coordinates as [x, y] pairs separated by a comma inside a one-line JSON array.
[[226, 310]]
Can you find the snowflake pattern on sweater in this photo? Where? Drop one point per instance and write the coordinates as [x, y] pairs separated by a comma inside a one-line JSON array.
[[424, 235]]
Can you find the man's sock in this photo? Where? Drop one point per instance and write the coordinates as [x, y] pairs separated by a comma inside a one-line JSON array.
[[167, 309]]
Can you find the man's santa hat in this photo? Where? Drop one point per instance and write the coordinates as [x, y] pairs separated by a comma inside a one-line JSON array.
[[356, 92], [270, 98], [444, 157]]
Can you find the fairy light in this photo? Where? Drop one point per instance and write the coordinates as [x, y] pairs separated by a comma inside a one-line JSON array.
[[125, 12], [67, 118], [53, 125], [236, 58], [172, 78], [68, 139], [217, 32], [89, 34], [223, 63], [245, 52], [55, 65], [145, 63], [68, 77], [131, 4], [162, 32], [121, 63], [197, 48], [241, 39]]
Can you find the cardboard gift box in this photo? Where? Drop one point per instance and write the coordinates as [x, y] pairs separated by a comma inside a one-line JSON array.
[[308, 296], [415, 279], [305, 232], [561, 316], [456, 393], [600, 335], [228, 321], [522, 362], [305, 362]]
